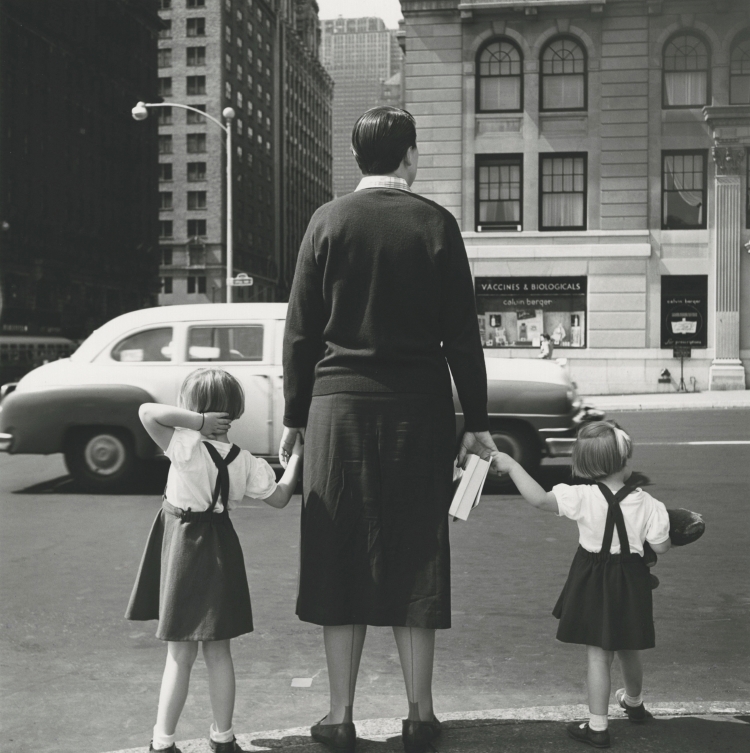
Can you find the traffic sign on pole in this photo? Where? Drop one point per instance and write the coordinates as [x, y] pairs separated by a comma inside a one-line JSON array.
[[241, 281]]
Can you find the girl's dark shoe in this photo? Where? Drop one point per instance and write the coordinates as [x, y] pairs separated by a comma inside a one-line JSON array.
[[230, 747], [171, 749], [418, 736], [583, 733], [636, 714], [338, 737]]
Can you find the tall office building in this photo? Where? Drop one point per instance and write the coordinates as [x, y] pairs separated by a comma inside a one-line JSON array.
[[363, 58], [78, 235], [236, 53]]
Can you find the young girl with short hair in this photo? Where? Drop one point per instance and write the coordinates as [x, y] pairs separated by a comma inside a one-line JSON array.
[[192, 575], [606, 602]]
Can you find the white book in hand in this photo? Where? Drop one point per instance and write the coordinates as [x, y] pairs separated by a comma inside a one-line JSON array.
[[467, 486]]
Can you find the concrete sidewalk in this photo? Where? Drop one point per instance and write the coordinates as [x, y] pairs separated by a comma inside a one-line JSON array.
[[672, 401], [676, 728]]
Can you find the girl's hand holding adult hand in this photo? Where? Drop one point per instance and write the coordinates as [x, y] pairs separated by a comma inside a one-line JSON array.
[[299, 446], [289, 439], [215, 424], [501, 463]]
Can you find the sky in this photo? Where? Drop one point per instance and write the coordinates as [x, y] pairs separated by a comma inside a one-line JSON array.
[[388, 10]]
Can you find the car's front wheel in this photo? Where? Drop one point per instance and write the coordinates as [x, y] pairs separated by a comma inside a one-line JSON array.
[[100, 458], [521, 443]]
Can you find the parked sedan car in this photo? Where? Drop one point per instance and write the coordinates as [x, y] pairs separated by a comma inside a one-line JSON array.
[[86, 406]]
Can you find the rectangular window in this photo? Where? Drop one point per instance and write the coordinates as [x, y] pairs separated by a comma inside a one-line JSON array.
[[196, 27], [165, 200], [166, 257], [165, 57], [201, 284], [196, 171], [514, 312], [228, 34], [165, 143], [164, 116], [196, 228], [165, 4], [499, 191], [165, 86], [226, 343], [196, 56], [165, 228], [239, 73], [165, 28], [228, 61], [191, 284], [196, 85], [165, 171], [683, 186], [196, 199], [166, 285], [196, 3], [193, 118], [562, 192], [196, 143]]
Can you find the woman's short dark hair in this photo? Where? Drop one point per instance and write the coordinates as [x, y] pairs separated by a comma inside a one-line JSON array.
[[381, 138]]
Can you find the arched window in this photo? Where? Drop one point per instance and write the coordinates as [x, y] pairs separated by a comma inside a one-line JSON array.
[[739, 70], [499, 77], [563, 79], [686, 72]]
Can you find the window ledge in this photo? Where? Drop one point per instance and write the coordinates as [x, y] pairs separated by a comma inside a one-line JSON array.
[[574, 244]]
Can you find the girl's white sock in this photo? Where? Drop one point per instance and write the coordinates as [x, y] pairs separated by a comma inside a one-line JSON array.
[[631, 700], [598, 722], [162, 741], [221, 737]]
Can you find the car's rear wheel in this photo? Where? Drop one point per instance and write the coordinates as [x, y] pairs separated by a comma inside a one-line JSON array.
[[101, 458], [520, 442]]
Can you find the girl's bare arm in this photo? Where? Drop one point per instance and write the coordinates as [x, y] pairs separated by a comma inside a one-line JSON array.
[[160, 421], [529, 489], [288, 482]]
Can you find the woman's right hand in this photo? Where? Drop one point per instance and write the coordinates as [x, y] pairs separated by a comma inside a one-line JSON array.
[[288, 440]]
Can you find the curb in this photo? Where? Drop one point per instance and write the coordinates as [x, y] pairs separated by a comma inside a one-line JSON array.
[[675, 401], [380, 730]]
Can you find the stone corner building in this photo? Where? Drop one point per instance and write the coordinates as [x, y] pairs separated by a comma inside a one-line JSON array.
[[596, 157]]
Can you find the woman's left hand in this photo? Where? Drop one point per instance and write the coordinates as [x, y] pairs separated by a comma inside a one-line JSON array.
[[288, 439]]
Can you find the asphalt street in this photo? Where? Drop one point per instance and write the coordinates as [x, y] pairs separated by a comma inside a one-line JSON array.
[[74, 675]]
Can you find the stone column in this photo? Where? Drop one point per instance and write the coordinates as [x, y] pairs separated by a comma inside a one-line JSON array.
[[727, 372]]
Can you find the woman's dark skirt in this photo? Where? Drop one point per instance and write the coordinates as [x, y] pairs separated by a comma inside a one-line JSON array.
[[377, 487], [606, 602], [192, 578]]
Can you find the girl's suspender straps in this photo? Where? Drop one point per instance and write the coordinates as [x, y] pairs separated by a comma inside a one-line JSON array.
[[222, 480], [615, 518]]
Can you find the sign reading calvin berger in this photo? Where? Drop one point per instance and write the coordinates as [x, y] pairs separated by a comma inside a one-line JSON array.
[[684, 309], [514, 312]]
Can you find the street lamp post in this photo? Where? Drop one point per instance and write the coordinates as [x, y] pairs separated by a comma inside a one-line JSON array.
[[140, 112]]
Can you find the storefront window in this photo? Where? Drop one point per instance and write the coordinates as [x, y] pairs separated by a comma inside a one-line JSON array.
[[514, 312]]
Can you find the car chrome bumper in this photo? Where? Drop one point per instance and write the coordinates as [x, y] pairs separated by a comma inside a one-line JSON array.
[[560, 447], [6, 440]]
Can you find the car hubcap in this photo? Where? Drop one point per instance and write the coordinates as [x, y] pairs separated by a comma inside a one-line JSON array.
[[104, 454]]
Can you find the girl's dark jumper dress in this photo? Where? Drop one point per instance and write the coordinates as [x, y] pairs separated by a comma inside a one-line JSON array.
[[606, 600], [192, 575]]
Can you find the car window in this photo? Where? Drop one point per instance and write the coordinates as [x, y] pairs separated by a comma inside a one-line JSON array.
[[150, 345], [226, 343]]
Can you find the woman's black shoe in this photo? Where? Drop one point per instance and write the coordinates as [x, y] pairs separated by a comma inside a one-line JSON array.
[[338, 737], [418, 736]]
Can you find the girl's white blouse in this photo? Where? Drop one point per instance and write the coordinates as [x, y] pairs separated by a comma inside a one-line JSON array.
[[646, 518], [192, 475]]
